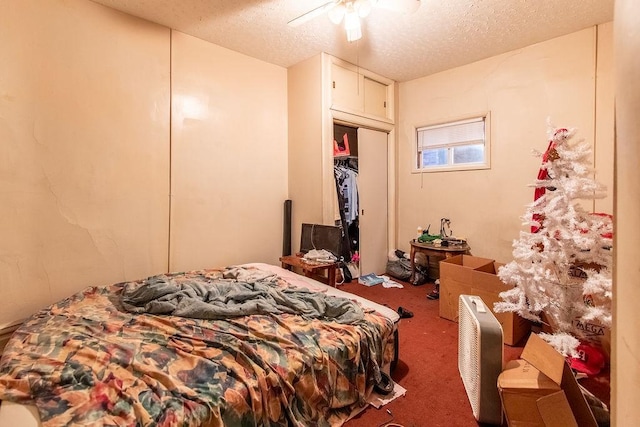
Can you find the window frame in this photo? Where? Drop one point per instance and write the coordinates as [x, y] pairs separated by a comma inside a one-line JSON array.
[[417, 153]]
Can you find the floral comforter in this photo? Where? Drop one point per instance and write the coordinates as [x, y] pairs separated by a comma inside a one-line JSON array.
[[85, 360]]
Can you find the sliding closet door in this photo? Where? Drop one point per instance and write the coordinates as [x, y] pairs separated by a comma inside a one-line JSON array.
[[372, 190]]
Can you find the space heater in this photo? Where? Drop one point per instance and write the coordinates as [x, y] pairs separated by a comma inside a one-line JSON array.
[[480, 357]]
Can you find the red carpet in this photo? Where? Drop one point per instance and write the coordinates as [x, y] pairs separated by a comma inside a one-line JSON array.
[[428, 366]]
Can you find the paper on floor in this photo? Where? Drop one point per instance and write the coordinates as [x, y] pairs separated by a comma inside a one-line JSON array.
[[377, 400]]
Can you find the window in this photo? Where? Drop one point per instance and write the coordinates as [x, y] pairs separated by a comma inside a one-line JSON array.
[[453, 146]]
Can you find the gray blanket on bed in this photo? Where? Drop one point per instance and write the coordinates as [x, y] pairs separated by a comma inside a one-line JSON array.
[[206, 298]]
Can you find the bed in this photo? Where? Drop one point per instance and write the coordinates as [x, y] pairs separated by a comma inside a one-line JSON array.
[[137, 353]]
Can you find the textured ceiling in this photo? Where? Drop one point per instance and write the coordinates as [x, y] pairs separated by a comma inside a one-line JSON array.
[[442, 34]]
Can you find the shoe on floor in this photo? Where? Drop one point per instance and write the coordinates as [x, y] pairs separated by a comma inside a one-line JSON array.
[[433, 295], [404, 313]]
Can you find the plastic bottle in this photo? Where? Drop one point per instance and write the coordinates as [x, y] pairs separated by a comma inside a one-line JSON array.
[[419, 233]]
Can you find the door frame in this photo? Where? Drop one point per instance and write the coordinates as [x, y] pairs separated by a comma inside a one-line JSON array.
[[328, 185]]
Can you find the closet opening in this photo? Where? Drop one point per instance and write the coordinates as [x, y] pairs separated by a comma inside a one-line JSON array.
[[360, 169], [345, 168]]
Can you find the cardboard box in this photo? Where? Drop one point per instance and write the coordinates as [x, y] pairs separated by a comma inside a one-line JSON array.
[[455, 280], [487, 285], [539, 390], [591, 332], [478, 276]]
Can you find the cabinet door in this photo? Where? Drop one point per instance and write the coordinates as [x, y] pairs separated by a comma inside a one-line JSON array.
[[375, 97], [347, 91], [372, 192]]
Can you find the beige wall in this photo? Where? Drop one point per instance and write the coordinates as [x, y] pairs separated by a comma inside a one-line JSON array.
[[604, 128], [520, 89], [625, 371], [228, 156], [89, 147], [84, 136], [305, 97]]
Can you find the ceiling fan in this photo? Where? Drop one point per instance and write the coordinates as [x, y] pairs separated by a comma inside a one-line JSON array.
[[352, 10]]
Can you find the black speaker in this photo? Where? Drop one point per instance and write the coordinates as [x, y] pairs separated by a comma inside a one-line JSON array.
[[286, 229]]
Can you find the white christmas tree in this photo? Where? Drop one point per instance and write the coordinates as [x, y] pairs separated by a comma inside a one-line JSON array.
[[561, 270]]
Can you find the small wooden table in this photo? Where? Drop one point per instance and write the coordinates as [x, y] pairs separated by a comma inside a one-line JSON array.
[[312, 269], [429, 249]]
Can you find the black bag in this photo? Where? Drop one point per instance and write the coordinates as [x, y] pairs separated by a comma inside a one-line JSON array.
[[400, 269], [420, 277]]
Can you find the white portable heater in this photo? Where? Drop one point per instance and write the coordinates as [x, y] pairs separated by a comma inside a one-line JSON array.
[[480, 356]]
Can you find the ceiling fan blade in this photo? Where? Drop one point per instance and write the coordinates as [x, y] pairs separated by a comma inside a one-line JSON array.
[[407, 6], [312, 13]]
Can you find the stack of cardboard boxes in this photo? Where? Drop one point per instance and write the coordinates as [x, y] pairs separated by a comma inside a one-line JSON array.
[[538, 390]]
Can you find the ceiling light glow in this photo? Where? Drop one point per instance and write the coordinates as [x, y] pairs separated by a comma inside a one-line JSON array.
[[352, 23]]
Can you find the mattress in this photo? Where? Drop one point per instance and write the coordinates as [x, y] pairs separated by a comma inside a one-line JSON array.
[[336, 386]]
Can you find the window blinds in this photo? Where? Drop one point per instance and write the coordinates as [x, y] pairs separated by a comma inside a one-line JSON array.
[[451, 134]]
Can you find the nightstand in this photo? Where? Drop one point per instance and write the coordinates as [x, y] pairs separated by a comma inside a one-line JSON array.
[[312, 269]]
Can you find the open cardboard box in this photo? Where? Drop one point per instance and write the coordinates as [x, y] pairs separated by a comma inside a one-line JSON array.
[[455, 280], [539, 390], [469, 275]]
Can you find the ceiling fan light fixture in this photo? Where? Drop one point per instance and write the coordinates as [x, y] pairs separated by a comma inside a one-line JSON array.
[[354, 34], [352, 24]]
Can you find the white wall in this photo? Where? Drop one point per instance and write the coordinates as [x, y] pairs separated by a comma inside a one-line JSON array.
[[520, 89]]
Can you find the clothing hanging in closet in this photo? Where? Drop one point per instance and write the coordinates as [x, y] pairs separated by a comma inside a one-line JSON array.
[[347, 179]]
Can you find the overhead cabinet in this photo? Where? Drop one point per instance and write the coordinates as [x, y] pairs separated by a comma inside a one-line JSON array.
[[353, 91], [324, 90], [375, 98], [346, 90]]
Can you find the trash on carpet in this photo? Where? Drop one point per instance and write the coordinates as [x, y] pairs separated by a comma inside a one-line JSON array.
[[370, 279], [388, 283], [377, 401]]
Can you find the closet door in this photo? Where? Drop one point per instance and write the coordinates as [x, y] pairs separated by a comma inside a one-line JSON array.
[[372, 191]]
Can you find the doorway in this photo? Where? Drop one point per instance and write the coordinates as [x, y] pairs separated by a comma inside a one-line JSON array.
[[361, 172]]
